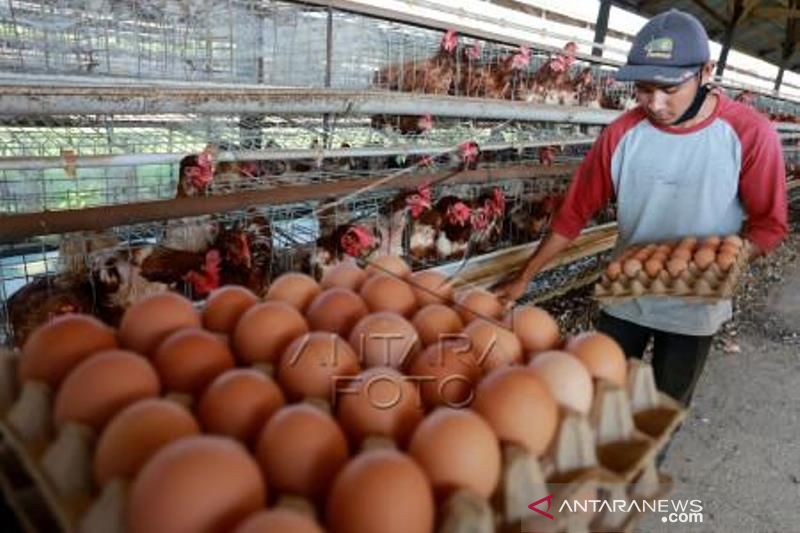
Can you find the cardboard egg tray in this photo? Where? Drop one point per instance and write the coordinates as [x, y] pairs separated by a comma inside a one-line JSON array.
[[695, 284], [609, 454]]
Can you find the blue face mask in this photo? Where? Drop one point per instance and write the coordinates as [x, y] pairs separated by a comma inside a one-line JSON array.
[[697, 103]]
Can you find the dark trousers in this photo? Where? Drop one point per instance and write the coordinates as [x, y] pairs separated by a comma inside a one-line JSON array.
[[678, 360]]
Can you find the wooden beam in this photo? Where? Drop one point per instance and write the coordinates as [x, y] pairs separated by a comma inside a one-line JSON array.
[[711, 12], [777, 13]]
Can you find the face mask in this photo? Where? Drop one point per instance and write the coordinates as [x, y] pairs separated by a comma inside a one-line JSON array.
[[697, 103]]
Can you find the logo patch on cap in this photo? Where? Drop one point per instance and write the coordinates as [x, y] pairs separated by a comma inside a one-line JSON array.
[[660, 48]]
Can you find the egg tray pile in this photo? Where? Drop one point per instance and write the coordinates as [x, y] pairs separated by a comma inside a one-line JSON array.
[[604, 449], [697, 269]]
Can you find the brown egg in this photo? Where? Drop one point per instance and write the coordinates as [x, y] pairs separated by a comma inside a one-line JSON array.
[[664, 248], [431, 288], [493, 346], [310, 364], [189, 359], [676, 267], [683, 254], [728, 248], [278, 520], [388, 293], [567, 379], [645, 253], [151, 320], [436, 322], [659, 256], [687, 243], [457, 449], [336, 310], [238, 403], [712, 241], [381, 491], [225, 306], [300, 451], [265, 330], [518, 407], [725, 261], [388, 265], [601, 355], [653, 266], [447, 373], [102, 385], [478, 303], [294, 288], [613, 270], [55, 348], [136, 433], [199, 483], [631, 267], [704, 257], [384, 339], [346, 275], [733, 240], [380, 401], [536, 329]]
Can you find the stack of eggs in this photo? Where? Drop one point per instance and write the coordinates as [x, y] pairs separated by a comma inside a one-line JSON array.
[[706, 267], [371, 395]]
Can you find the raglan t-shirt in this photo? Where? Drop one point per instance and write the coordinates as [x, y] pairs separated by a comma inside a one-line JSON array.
[[724, 175]]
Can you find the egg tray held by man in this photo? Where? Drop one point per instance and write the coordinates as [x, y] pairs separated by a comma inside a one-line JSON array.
[[704, 269]]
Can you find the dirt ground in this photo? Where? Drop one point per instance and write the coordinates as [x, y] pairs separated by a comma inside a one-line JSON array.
[[739, 450]]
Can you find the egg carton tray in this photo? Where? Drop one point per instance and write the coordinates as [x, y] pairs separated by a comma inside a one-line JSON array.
[[694, 284], [609, 453]]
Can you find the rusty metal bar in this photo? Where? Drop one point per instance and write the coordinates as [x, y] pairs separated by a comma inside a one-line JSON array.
[[17, 227]]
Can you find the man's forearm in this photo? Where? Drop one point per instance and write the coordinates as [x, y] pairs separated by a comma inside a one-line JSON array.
[[552, 245]]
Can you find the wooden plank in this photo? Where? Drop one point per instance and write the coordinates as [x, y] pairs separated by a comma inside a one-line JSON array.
[[485, 270]]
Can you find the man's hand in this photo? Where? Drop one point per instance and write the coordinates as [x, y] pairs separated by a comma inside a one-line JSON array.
[[511, 289]]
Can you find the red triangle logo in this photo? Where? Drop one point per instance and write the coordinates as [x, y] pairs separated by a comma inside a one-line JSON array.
[[533, 506]]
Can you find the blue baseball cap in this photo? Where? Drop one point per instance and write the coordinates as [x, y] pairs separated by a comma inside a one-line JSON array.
[[669, 49]]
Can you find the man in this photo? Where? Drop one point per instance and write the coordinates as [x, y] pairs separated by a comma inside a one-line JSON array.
[[687, 161]]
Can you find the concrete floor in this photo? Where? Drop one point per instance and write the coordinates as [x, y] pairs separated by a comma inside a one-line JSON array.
[[739, 450]]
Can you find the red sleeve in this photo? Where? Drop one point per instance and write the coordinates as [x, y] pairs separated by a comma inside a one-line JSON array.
[[762, 185], [592, 187]]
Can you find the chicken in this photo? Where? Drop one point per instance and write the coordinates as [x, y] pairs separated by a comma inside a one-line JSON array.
[[348, 239], [531, 217], [547, 155], [192, 234], [45, 298], [587, 92], [195, 174], [486, 219], [432, 76], [551, 84], [436, 75], [420, 221], [405, 124], [75, 249], [246, 254], [469, 70], [495, 80], [452, 239], [617, 96], [123, 276]]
